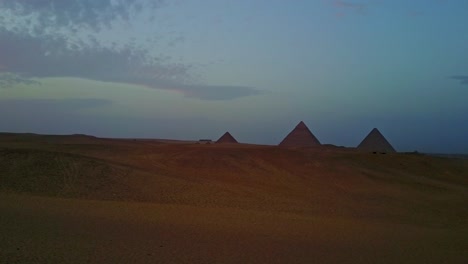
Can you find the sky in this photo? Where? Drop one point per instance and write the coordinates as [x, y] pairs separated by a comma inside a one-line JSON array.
[[189, 69]]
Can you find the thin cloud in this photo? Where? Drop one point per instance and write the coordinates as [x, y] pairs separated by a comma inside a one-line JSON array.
[[27, 58], [462, 78], [47, 56], [8, 80], [29, 54]]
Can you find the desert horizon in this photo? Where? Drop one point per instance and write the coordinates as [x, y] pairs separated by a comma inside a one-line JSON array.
[[211, 140]]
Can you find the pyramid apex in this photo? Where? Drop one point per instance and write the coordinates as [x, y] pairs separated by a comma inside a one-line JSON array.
[[376, 131], [301, 124]]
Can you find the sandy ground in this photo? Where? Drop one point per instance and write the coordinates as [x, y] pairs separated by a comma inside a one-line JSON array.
[[53, 230], [88, 200]]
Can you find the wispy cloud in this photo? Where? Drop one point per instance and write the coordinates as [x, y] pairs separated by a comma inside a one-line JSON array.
[[462, 78], [27, 54], [48, 56], [27, 58], [8, 80], [77, 13]]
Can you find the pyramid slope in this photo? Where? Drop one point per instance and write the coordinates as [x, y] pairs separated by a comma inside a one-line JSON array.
[[226, 138], [300, 136], [376, 142]]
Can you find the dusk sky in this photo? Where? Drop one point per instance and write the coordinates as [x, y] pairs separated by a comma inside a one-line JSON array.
[[187, 69]]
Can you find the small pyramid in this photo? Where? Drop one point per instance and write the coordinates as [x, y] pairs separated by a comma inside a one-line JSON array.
[[376, 142], [300, 136], [226, 138]]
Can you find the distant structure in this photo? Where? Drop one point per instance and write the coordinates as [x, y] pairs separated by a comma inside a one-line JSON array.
[[300, 136], [205, 141], [227, 138], [376, 142]]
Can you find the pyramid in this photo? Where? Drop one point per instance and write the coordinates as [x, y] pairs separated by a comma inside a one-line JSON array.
[[226, 138], [300, 136], [376, 142]]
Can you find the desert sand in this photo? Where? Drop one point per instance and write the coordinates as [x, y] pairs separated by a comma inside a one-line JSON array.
[[81, 199]]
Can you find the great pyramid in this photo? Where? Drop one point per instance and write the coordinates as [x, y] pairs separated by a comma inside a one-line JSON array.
[[300, 136], [376, 142], [226, 138]]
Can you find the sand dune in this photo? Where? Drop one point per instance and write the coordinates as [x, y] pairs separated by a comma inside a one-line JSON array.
[[83, 199]]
